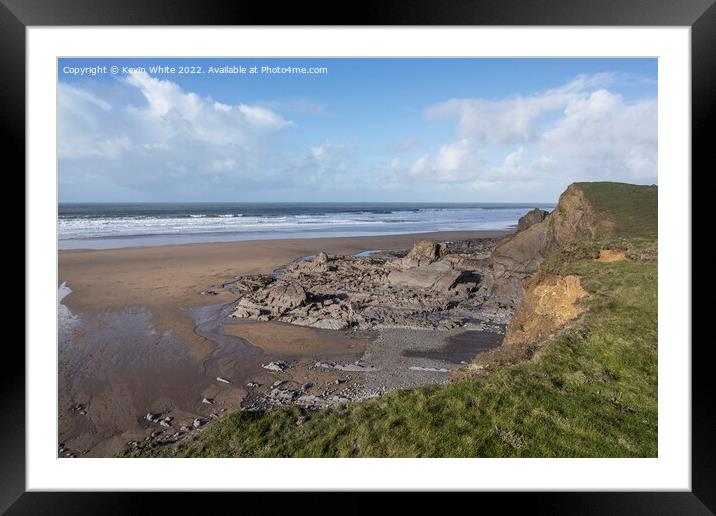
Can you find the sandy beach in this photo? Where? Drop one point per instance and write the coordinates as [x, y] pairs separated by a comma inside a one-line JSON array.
[[145, 338]]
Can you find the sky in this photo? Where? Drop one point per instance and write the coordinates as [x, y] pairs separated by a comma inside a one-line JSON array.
[[358, 130]]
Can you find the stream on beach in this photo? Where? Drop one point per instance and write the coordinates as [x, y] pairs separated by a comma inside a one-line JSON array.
[[115, 368]]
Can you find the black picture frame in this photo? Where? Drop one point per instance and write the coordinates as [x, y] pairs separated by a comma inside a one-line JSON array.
[[700, 15]]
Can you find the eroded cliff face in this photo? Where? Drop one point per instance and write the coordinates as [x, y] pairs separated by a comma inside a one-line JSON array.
[[542, 302], [548, 303], [516, 258], [575, 218]]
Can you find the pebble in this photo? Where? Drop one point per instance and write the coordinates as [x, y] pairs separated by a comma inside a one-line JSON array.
[[431, 369], [222, 380], [278, 366], [208, 401]]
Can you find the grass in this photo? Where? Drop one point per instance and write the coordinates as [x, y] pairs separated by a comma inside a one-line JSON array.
[[633, 208], [591, 391]]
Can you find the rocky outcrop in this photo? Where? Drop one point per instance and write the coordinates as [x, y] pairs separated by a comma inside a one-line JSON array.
[[321, 263], [272, 301], [438, 276], [519, 256], [544, 303], [531, 218], [462, 262], [435, 285], [575, 218], [516, 258], [286, 296], [424, 252]]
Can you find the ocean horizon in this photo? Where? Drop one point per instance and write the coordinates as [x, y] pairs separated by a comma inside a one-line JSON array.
[[116, 225]]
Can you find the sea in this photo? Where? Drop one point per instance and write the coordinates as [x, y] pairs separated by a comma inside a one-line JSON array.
[[115, 225]]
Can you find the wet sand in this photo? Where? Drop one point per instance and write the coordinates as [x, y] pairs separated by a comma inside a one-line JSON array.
[[461, 348], [288, 340], [144, 339]]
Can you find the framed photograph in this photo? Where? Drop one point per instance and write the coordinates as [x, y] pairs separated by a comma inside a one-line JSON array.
[[442, 248]]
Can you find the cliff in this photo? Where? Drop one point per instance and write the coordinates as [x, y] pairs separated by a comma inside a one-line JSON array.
[[585, 211], [548, 303], [593, 223]]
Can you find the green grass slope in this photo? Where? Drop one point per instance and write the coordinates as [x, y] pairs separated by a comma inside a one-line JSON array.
[[632, 208], [591, 391]]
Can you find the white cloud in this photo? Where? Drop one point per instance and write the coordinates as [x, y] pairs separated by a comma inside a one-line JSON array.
[[167, 141], [456, 161], [579, 130], [262, 117], [602, 136], [173, 113], [513, 120], [330, 156], [328, 165], [420, 166], [513, 167]]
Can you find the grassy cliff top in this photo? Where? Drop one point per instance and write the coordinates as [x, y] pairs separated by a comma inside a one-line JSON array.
[[631, 208]]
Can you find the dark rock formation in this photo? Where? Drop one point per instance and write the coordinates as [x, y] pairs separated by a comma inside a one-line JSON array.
[[273, 300], [516, 258], [519, 256], [438, 276], [424, 252], [530, 218], [433, 286]]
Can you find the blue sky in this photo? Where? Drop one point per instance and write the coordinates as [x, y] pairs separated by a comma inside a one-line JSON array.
[[367, 130]]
